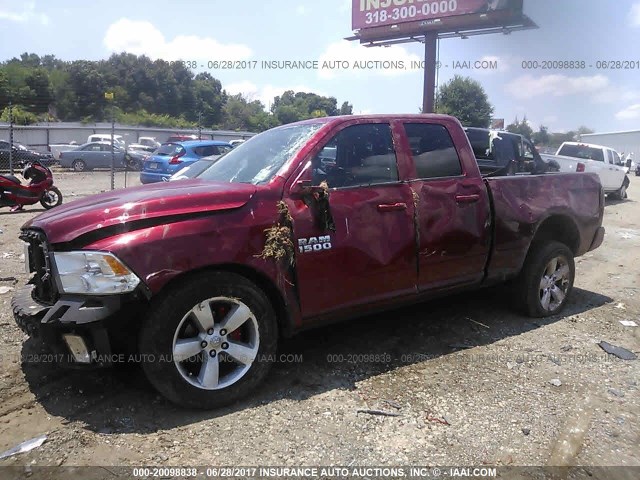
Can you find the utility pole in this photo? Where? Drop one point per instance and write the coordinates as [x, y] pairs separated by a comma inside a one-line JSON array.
[[109, 96], [10, 138], [199, 125]]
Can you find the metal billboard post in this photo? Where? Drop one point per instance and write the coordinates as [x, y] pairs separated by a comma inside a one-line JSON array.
[[429, 85]]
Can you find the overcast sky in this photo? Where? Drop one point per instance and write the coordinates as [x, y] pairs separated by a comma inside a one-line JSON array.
[[209, 30]]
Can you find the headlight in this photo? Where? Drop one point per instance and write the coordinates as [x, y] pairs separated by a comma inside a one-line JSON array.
[[93, 273]]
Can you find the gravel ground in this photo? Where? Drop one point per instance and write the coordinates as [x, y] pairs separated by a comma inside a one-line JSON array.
[[471, 382]]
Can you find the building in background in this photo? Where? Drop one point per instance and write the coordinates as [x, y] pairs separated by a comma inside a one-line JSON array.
[[622, 142]]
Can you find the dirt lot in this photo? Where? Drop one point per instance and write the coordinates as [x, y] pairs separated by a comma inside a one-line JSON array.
[[523, 388]]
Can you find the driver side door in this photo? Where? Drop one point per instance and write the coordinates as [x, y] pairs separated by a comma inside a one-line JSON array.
[[370, 255]]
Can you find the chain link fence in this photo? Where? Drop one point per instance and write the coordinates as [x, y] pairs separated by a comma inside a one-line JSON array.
[[47, 143]]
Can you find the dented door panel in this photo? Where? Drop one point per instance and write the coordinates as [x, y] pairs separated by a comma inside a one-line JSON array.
[[369, 257]]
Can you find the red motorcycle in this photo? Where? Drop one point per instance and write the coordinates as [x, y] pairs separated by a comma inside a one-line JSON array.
[[39, 188]]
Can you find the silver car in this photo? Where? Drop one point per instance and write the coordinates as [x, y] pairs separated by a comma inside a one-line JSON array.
[[98, 155]]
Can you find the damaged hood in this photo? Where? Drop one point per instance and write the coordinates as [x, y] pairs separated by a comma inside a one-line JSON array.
[[147, 202]]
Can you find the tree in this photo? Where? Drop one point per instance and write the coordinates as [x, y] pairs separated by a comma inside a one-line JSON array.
[[465, 99], [584, 130], [541, 137], [240, 114], [523, 128], [346, 109]]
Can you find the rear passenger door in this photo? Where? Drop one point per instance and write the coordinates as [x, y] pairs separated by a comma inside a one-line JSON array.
[[453, 212]]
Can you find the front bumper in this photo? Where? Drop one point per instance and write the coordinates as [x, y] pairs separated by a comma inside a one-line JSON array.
[[86, 317]]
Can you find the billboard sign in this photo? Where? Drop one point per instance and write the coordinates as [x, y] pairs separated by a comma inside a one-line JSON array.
[[377, 13]]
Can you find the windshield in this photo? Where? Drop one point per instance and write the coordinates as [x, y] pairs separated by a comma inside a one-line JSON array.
[[257, 160], [195, 168]]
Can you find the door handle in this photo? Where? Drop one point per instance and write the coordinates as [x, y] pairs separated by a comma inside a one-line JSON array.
[[392, 207], [467, 198]]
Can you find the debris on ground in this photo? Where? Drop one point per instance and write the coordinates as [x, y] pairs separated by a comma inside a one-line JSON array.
[[8, 279], [620, 306], [461, 346], [24, 447], [619, 352], [4, 290], [379, 412], [442, 421], [628, 323], [526, 431], [479, 323], [393, 404], [616, 393], [555, 382]]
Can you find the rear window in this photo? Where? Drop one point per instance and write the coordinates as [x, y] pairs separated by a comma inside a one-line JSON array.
[[435, 155], [582, 151], [208, 150], [169, 149]]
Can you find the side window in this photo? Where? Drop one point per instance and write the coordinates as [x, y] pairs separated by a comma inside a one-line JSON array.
[[358, 155], [616, 158], [435, 156], [610, 159]]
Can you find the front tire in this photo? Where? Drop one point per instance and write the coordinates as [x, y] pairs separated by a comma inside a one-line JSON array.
[[546, 280], [209, 341], [51, 198]]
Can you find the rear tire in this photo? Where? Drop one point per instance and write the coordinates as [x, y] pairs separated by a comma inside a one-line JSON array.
[[546, 281], [187, 353], [51, 198], [79, 166]]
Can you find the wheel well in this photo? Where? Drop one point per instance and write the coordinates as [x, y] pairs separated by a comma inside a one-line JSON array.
[[262, 281], [559, 228]]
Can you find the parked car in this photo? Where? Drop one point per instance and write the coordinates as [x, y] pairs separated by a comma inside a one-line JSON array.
[[603, 161], [202, 277], [22, 155], [147, 144], [98, 155], [56, 148], [106, 137], [171, 157], [195, 168], [181, 138]]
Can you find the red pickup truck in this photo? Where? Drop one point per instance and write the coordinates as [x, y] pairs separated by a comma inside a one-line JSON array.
[[304, 224]]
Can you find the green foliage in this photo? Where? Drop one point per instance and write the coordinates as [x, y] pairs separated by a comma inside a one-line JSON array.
[[20, 115], [146, 92], [292, 106], [465, 99], [521, 127], [146, 119]]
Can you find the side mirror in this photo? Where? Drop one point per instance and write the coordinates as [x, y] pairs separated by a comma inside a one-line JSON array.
[[303, 188]]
